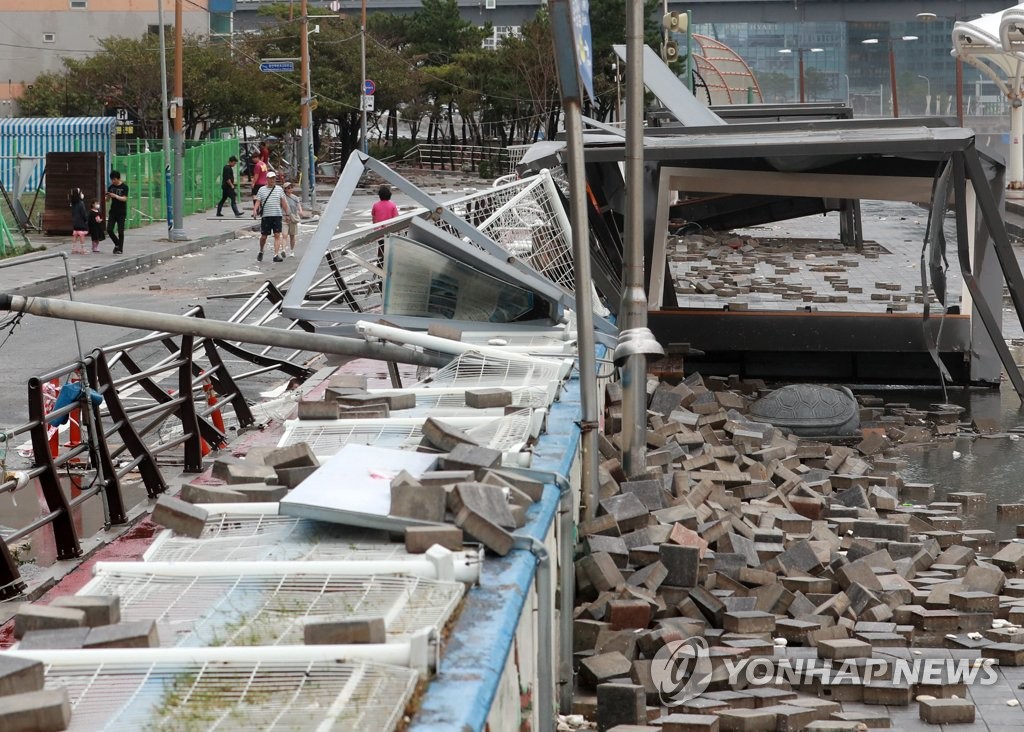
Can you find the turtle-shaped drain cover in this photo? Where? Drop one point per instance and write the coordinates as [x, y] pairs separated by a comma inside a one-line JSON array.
[[809, 410]]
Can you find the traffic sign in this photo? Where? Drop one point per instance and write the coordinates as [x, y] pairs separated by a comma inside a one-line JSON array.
[[271, 67], [367, 102], [369, 88]]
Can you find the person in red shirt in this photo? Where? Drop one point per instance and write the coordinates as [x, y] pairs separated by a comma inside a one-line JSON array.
[[265, 152], [385, 208], [260, 168]]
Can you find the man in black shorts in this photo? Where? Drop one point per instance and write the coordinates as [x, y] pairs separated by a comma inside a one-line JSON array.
[[272, 207]]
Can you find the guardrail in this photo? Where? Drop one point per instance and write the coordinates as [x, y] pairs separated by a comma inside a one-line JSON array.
[[135, 422]]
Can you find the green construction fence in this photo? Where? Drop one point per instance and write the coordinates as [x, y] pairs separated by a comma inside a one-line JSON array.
[[144, 174]]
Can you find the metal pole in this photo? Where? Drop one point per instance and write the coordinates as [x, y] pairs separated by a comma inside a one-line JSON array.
[[168, 189], [959, 92], [800, 62], [892, 80], [927, 95], [201, 327], [634, 299], [304, 110], [178, 231], [362, 79]]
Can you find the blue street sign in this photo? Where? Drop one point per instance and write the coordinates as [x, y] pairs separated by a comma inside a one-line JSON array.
[[580, 15], [369, 87], [270, 67]]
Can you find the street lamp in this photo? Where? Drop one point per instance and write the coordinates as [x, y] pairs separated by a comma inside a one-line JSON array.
[[800, 64], [618, 93], [928, 94], [928, 18], [892, 69]]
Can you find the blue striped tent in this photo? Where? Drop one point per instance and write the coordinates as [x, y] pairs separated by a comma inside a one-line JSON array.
[[32, 138]]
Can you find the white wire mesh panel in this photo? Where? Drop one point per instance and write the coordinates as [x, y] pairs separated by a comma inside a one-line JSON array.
[[228, 538], [200, 697], [267, 610], [475, 370], [507, 433]]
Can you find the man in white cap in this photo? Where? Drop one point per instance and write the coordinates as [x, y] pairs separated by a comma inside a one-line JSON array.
[[271, 207]]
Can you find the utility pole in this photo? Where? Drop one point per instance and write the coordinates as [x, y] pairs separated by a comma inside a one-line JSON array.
[[178, 115], [168, 189], [306, 112], [362, 79]]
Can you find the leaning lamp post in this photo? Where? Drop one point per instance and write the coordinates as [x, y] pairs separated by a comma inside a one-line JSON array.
[[892, 68], [800, 65]]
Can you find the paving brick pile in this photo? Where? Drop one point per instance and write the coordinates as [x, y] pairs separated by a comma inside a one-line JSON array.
[[770, 546]]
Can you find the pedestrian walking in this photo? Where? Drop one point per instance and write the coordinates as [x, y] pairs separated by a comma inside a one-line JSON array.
[[96, 226], [259, 176], [117, 194], [227, 187], [79, 221], [272, 206], [295, 215], [383, 210]]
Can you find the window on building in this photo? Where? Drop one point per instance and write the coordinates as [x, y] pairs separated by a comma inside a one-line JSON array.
[[49, 38], [79, 4], [154, 30], [490, 4]]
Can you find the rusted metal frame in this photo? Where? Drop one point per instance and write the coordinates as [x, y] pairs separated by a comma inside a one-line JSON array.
[[64, 536], [148, 468], [339, 280], [276, 297], [209, 431], [225, 385], [170, 444], [181, 360], [286, 367], [190, 422], [111, 485], [981, 306]]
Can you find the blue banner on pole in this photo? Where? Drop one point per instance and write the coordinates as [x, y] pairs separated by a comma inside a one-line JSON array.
[[580, 11]]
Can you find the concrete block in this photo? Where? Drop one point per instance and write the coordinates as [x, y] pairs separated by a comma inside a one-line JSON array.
[[48, 710], [1007, 654], [843, 648], [1010, 557], [444, 436], [484, 499], [291, 477], [628, 510], [299, 455], [629, 614], [471, 457], [488, 398], [746, 720], [690, 723], [485, 531], [420, 538], [598, 668], [247, 472], [345, 630], [133, 634], [887, 693], [749, 621], [444, 330], [620, 704], [261, 492], [947, 711], [681, 563], [46, 617], [418, 502], [181, 517], [602, 572], [19, 675], [59, 639], [99, 609], [318, 409], [196, 493]]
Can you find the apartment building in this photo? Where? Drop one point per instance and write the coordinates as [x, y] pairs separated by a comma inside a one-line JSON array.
[[35, 36]]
